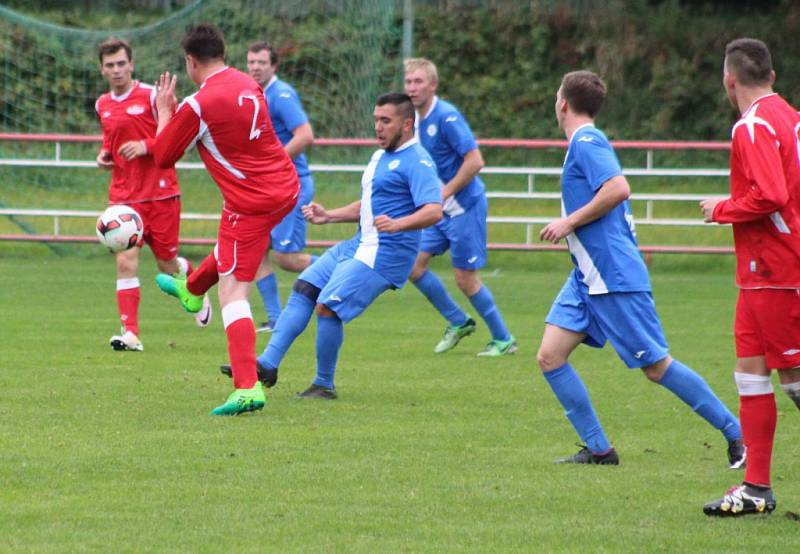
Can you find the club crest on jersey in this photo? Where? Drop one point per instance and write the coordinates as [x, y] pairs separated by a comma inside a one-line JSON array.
[[431, 130], [394, 164], [136, 109]]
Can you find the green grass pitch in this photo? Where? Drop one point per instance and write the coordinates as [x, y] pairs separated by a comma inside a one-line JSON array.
[[109, 451]]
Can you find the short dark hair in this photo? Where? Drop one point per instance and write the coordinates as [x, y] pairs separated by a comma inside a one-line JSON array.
[[112, 45], [261, 45], [401, 101], [749, 60], [204, 41], [584, 91]]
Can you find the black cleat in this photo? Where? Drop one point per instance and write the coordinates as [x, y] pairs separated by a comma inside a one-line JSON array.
[[742, 500], [318, 392], [586, 456], [267, 375], [737, 454]]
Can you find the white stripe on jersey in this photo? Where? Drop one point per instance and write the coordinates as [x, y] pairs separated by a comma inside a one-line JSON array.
[[205, 137], [780, 224], [367, 249], [591, 275]]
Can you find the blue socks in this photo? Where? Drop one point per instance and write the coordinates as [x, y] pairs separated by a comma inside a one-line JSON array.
[[694, 391], [292, 322], [483, 302], [432, 287], [268, 287], [330, 335], [571, 392]]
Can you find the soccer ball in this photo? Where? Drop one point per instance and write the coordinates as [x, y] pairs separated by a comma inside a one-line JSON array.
[[119, 228]]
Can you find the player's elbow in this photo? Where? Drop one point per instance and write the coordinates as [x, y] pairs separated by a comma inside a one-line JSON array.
[[434, 213], [622, 190]]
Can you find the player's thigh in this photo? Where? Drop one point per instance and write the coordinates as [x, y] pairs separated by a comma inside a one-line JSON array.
[[162, 224], [630, 322], [467, 235], [319, 273], [241, 244], [570, 311], [768, 324], [352, 287], [434, 239]]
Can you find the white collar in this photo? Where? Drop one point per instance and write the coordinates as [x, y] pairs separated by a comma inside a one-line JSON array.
[[220, 70], [271, 81], [124, 96], [575, 132], [757, 100], [410, 142]]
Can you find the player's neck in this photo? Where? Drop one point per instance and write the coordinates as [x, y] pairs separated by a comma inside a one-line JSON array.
[[122, 90], [573, 122], [206, 70], [425, 109], [746, 96]]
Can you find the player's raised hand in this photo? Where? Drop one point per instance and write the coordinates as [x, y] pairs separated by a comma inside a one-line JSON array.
[[105, 160], [132, 149], [165, 93], [556, 230], [385, 224], [315, 213]]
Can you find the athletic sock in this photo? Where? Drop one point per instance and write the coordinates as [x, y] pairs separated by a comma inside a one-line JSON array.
[[571, 392], [330, 335], [432, 287], [483, 302], [268, 288], [687, 385], [238, 322], [128, 304], [759, 417], [291, 323], [204, 277]]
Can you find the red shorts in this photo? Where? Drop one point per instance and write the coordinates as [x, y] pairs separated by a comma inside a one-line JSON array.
[[242, 241], [162, 223], [768, 324]]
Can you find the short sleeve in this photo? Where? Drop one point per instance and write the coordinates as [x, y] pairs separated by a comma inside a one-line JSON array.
[[596, 159], [290, 110], [424, 182], [457, 133]]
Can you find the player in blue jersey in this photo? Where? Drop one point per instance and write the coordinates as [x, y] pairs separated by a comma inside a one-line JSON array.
[[607, 296], [295, 133], [445, 134], [400, 194]]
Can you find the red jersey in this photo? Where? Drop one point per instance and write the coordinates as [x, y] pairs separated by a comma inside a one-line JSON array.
[[128, 117], [765, 189], [229, 121]]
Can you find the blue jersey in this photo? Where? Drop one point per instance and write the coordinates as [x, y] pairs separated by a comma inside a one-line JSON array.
[[446, 135], [286, 113], [396, 184], [604, 252]]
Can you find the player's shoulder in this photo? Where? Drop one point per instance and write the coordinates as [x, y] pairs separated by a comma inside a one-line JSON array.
[[588, 137], [446, 112], [284, 89]]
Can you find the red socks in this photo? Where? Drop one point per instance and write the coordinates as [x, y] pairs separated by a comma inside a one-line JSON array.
[[238, 322], [203, 277], [128, 304], [758, 415]]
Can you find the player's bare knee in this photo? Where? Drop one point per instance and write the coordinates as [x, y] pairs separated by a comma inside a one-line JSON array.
[[656, 371], [792, 390], [467, 282], [168, 266], [324, 311], [549, 360]]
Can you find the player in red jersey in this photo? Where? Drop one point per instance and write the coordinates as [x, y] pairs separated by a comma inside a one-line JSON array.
[[128, 116], [764, 210], [228, 120]]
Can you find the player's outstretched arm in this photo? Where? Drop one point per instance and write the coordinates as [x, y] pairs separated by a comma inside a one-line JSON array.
[[318, 215], [425, 216], [613, 192]]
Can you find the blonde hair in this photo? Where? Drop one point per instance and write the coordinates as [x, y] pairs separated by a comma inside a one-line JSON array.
[[427, 66]]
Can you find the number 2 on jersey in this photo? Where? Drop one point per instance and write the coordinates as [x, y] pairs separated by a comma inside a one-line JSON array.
[[254, 133]]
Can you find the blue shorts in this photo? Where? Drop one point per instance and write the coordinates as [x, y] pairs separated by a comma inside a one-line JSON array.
[[464, 235], [289, 235], [352, 287], [628, 320], [319, 273]]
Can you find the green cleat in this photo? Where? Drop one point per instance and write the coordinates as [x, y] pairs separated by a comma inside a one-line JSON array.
[[500, 347], [454, 334], [242, 401], [176, 287]]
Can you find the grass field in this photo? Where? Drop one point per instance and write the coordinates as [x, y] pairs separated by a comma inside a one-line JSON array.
[[111, 451]]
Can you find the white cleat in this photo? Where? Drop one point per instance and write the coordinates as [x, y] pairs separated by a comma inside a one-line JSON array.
[[127, 341], [203, 317]]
